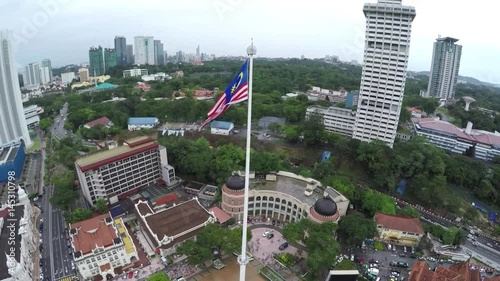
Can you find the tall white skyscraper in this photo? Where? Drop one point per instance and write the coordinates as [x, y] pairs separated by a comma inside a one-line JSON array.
[[12, 121], [32, 71], [444, 68], [144, 48], [387, 47], [45, 75], [48, 63]]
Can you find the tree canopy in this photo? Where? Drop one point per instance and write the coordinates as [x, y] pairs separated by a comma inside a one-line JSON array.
[[354, 229], [212, 238], [322, 248]]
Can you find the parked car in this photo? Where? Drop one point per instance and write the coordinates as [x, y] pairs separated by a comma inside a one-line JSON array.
[[266, 233], [270, 236], [283, 246]]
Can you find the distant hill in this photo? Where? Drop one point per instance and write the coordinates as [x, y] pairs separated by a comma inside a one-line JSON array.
[[469, 80]]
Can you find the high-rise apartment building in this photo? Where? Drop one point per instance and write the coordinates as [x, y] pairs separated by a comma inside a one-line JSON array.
[[45, 75], [130, 54], [144, 50], [96, 61], [83, 73], [159, 53], [32, 76], [47, 63], [444, 68], [109, 59], [12, 122], [121, 50], [387, 47]]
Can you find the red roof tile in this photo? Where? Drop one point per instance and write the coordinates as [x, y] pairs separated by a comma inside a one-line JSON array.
[[101, 121], [93, 233], [166, 199], [457, 272], [221, 216], [398, 222]]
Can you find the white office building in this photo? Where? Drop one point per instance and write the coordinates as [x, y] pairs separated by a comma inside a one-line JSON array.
[[387, 47], [32, 74], [134, 72], [114, 173], [12, 122], [444, 68], [144, 50], [67, 77], [336, 120]]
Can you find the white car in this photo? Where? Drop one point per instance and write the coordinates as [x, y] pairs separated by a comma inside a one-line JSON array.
[[352, 257], [266, 233]]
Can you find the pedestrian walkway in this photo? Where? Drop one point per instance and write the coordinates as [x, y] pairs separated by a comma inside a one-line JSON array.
[[36, 256]]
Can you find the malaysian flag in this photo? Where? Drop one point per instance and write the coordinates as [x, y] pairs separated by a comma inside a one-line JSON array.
[[236, 92]]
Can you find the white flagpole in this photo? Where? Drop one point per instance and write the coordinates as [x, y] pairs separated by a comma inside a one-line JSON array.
[[242, 259]]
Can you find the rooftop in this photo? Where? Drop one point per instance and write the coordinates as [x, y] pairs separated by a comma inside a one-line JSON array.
[[174, 220], [134, 146], [290, 186], [101, 121], [4, 237], [398, 222], [127, 241], [221, 125], [92, 233], [479, 136], [8, 153], [459, 272], [105, 86], [221, 216], [142, 120]]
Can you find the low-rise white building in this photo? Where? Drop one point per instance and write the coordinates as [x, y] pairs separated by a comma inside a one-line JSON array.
[[221, 128], [337, 120], [102, 246], [485, 145], [166, 229], [31, 113], [18, 239], [137, 123], [160, 76], [134, 72]]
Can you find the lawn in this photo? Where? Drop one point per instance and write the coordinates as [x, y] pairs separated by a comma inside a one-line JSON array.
[[36, 145]]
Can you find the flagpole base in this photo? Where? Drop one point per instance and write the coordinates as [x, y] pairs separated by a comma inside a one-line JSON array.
[[243, 260]]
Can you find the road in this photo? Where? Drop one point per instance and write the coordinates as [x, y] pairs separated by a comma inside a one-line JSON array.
[[492, 256], [56, 254], [57, 129]]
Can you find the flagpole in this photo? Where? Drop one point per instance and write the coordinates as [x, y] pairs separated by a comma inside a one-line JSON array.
[[242, 259]]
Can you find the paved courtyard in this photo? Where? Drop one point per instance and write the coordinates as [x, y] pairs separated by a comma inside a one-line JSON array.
[[263, 248]]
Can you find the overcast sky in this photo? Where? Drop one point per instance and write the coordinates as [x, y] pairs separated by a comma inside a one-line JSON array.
[[63, 30]]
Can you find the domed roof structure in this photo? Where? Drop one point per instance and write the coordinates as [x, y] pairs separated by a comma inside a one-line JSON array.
[[235, 182], [325, 207]]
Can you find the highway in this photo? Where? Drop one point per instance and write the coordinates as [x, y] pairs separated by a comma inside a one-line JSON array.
[[490, 255]]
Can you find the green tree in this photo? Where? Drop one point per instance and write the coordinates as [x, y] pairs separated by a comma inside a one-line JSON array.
[[64, 195], [101, 206], [77, 215], [45, 123], [324, 169], [356, 228], [265, 162], [158, 276], [313, 130], [409, 212], [373, 202]]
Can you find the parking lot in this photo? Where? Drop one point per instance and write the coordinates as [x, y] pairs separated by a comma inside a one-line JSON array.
[[387, 256]]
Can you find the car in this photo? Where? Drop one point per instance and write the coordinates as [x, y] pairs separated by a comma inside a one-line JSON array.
[[270, 236], [404, 249], [283, 246], [266, 233], [402, 255], [373, 261], [373, 265], [413, 256], [352, 257]]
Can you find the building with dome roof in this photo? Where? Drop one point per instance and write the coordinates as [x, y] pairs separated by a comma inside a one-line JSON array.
[[282, 197]]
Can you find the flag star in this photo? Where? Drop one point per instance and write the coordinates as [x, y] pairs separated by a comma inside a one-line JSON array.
[[233, 88]]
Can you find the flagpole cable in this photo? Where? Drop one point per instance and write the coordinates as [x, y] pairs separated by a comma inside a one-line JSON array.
[[243, 259]]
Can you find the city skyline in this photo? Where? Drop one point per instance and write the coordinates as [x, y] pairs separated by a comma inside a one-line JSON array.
[[218, 27]]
